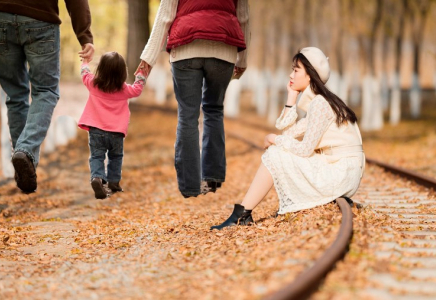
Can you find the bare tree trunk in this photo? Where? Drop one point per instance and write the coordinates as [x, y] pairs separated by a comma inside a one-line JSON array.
[[395, 107], [418, 35], [5, 139], [138, 32], [339, 80], [372, 111], [384, 78]]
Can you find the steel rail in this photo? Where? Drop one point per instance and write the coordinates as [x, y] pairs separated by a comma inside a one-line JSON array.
[[420, 179], [309, 280]]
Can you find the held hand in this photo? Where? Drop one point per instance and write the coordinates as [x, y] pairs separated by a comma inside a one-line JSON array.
[[237, 72], [87, 52], [144, 68], [269, 140]]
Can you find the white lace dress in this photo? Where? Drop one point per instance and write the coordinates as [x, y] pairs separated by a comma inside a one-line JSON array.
[[304, 179]]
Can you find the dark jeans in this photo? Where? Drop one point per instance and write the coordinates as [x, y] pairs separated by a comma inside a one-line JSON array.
[[200, 82], [101, 143], [29, 54]]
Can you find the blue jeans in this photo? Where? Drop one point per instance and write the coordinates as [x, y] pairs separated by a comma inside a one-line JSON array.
[[29, 54], [200, 82], [100, 143]]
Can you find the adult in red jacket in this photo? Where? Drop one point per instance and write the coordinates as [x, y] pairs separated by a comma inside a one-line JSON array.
[[207, 41], [29, 54]]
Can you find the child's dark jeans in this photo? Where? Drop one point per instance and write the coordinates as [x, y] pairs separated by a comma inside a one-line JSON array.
[[100, 143]]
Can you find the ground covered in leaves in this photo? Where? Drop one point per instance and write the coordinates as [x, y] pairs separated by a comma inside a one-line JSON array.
[[150, 243]]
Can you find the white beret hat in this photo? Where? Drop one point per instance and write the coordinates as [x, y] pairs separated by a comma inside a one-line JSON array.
[[319, 61]]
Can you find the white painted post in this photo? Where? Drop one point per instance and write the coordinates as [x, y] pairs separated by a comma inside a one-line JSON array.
[[334, 82], [6, 147], [157, 81], [344, 86], [233, 94], [366, 103], [377, 108], [61, 138], [278, 84], [355, 92], [415, 97], [395, 108], [261, 92], [372, 111], [50, 139], [384, 91], [434, 81]]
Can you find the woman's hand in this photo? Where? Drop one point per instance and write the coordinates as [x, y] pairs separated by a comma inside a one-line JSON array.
[[292, 95], [144, 67], [269, 140]]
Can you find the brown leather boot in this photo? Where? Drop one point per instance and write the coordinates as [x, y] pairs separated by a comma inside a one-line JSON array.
[[115, 187], [25, 175]]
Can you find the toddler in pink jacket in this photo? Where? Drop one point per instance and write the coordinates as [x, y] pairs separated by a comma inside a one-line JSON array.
[[106, 118]]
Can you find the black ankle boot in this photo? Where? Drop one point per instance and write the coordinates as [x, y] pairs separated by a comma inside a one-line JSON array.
[[239, 216]]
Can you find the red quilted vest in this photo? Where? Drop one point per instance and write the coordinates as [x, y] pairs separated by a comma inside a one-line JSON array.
[[214, 20]]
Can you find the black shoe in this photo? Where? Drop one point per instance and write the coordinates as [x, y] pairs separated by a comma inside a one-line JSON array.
[[25, 174], [115, 187], [239, 216], [99, 190]]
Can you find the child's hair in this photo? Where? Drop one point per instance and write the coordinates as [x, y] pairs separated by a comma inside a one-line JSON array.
[[342, 111], [111, 73]]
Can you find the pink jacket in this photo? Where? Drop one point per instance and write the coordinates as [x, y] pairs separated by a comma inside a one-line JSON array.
[[108, 111]]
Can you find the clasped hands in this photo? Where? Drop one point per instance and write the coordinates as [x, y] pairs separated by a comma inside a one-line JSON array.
[[87, 52], [144, 68]]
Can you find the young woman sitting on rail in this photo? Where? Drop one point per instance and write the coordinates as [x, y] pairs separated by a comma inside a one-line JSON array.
[[319, 155]]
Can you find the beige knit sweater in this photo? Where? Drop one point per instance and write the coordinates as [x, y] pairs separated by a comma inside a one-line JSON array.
[[198, 48]]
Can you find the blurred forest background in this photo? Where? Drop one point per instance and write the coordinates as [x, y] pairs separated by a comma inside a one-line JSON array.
[[382, 52], [382, 55]]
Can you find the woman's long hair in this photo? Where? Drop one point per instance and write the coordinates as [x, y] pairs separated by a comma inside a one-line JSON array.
[[111, 73], [342, 111]]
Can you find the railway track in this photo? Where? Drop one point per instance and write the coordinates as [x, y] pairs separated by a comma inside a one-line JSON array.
[[406, 209], [409, 242], [309, 280], [402, 204]]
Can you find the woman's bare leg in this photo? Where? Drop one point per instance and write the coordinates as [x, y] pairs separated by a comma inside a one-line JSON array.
[[258, 189]]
